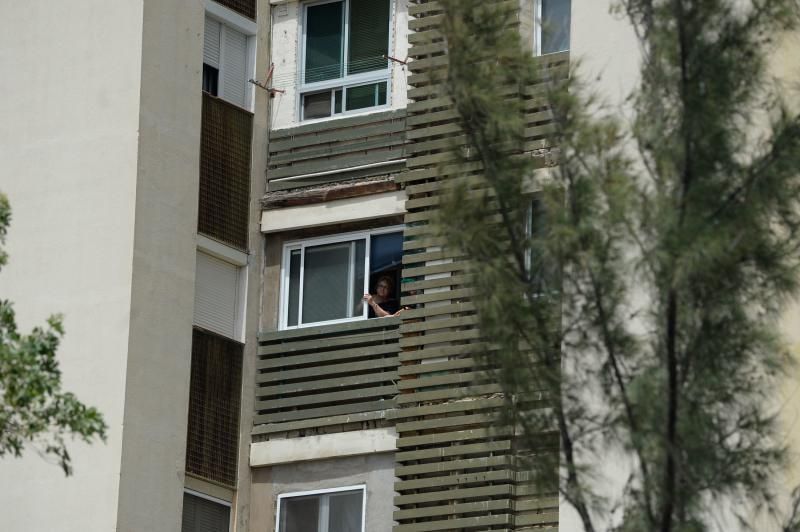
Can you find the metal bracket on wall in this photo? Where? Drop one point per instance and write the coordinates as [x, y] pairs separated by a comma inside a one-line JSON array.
[[265, 85]]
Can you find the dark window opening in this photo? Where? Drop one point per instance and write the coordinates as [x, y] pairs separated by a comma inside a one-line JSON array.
[[210, 79]]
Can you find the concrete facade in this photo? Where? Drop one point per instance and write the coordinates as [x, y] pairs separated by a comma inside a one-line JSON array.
[[69, 145], [374, 470]]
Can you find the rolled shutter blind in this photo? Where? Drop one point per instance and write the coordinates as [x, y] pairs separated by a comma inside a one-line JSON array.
[[211, 43], [202, 515], [369, 35], [216, 295], [234, 68]]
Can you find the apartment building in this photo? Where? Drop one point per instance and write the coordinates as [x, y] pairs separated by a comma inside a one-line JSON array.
[[127, 146], [210, 240]]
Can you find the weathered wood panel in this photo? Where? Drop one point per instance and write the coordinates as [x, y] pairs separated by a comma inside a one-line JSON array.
[[336, 150], [457, 468], [320, 376]]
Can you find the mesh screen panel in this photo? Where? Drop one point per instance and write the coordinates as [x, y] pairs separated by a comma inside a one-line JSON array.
[[224, 172], [244, 7], [214, 400]]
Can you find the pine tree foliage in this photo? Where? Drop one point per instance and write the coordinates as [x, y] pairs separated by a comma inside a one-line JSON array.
[[33, 408], [642, 307]]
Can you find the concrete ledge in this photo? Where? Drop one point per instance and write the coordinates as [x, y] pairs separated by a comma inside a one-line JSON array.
[[333, 212], [321, 447]]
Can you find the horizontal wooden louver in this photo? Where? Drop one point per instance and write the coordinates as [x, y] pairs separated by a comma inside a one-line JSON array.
[[214, 402], [216, 295], [225, 172]]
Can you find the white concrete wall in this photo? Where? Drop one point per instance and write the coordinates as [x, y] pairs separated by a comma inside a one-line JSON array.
[[286, 19], [164, 253], [68, 146], [607, 53]]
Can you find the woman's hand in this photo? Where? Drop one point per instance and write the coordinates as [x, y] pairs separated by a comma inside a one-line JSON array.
[[368, 298]]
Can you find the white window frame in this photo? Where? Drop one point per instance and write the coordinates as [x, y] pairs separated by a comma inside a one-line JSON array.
[[229, 18], [288, 247], [345, 81], [240, 260], [323, 492], [537, 30], [210, 498]]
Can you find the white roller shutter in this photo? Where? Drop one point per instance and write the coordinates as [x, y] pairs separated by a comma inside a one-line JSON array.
[[234, 66], [211, 42], [216, 295]]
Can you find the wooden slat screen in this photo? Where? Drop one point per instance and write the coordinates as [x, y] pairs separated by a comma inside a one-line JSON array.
[[307, 377], [214, 403], [225, 149], [457, 468], [336, 148]]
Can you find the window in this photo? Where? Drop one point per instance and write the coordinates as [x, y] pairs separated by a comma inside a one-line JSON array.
[[552, 26], [218, 303], [344, 66], [204, 514], [336, 510], [324, 279], [225, 62]]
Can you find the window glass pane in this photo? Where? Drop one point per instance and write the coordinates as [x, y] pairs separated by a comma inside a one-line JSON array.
[[363, 96], [337, 101], [210, 78], [385, 252], [358, 275], [299, 514], [345, 512], [555, 25], [382, 94], [317, 105], [294, 287], [369, 36], [324, 43], [326, 285]]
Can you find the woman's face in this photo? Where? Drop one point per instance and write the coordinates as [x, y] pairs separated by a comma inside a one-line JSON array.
[[383, 288]]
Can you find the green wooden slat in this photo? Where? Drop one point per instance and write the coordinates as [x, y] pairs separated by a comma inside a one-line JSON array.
[[324, 411], [413, 341], [450, 451], [341, 163], [482, 507], [329, 397], [450, 421], [450, 437], [324, 330], [383, 129], [326, 356], [463, 523], [446, 408], [328, 369], [428, 353], [359, 417], [333, 150], [436, 367], [464, 379], [327, 384], [450, 393], [328, 342], [452, 465], [396, 169], [454, 480], [338, 123], [484, 492]]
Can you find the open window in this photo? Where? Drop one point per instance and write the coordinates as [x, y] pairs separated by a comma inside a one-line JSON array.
[[552, 26], [225, 62], [343, 64], [334, 510], [202, 513], [325, 279]]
